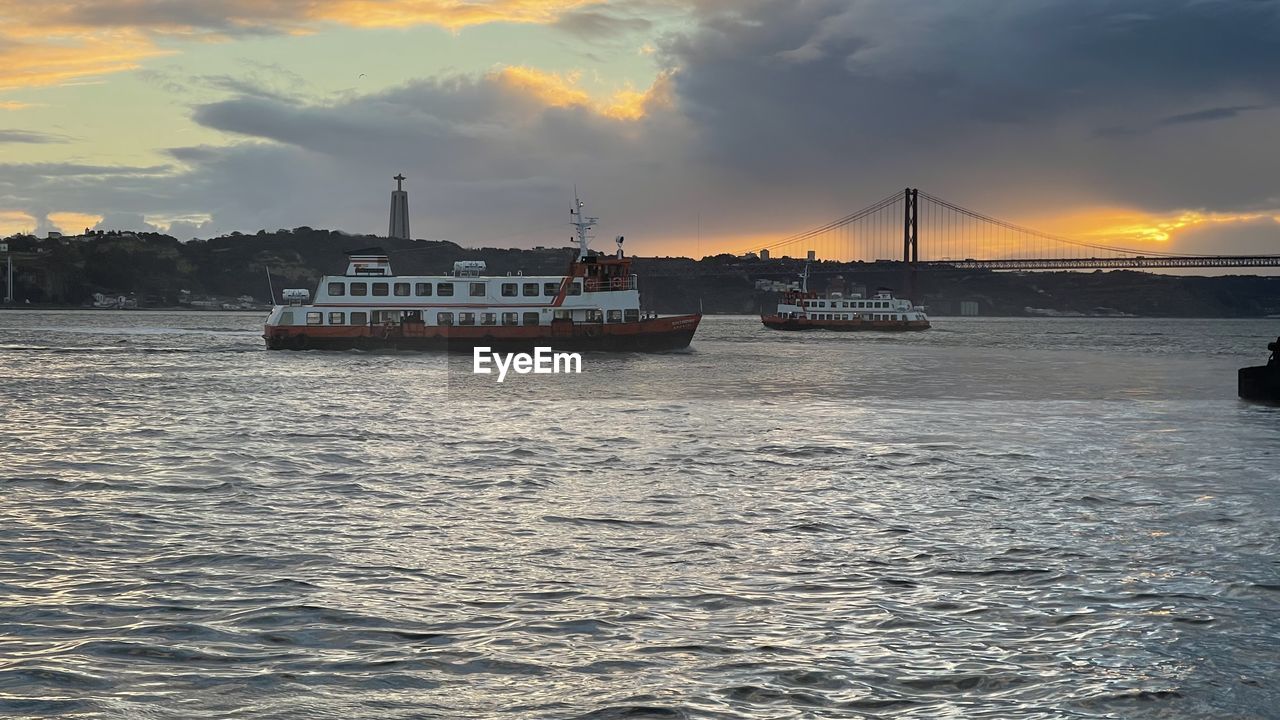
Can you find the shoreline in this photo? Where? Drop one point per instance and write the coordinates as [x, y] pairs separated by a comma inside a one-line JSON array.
[[177, 309]]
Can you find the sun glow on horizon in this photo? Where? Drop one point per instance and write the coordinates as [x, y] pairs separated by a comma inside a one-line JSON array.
[[1130, 226]]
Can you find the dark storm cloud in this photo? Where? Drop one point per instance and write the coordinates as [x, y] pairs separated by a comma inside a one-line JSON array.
[[978, 94]]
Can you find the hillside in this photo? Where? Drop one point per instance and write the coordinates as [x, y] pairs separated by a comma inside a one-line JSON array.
[[155, 269]]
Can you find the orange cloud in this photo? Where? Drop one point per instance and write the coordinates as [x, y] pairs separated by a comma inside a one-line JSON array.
[[16, 221], [27, 64], [556, 90], [74, 222], [452, 14], [55, 41]]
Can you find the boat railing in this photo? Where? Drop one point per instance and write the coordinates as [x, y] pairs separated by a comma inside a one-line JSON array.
[[609, 284]]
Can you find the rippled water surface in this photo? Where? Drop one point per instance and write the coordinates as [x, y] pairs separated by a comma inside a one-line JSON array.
[[994, 519]]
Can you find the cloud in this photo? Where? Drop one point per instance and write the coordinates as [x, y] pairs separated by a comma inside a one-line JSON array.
[[987, 102], [232, 17], [1220, 113], [765, 118], [56, 41], [63, 57], [124, 221], [28, 136], [600, 23]]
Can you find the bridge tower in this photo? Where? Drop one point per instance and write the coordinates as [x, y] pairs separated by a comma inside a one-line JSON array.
[[910, 240]]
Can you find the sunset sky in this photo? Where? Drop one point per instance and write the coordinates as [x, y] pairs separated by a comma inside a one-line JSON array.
[[692, 126]]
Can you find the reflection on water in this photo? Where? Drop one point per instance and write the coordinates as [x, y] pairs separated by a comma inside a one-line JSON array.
[[996, 518]]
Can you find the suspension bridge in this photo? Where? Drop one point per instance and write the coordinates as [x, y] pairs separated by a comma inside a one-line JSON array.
[[923, 231]]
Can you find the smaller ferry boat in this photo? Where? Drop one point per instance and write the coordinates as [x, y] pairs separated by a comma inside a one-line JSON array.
[[1261, 383], [593, 306], [805, 310]]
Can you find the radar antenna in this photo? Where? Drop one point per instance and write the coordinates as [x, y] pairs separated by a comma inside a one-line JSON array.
[[582, 223]]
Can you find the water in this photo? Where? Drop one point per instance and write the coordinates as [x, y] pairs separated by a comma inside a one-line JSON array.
[[994, 519]]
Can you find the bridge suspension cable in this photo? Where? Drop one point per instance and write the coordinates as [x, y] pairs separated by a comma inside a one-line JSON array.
[[918, 226], [864, 213]]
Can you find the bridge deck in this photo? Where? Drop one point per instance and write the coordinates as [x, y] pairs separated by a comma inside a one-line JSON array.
[[1181, 261]]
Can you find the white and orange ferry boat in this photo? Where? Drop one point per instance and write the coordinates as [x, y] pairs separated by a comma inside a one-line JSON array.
[[805, 310], [594, 306]]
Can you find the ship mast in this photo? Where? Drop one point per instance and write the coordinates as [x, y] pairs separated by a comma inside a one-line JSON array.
[[582, 224], [804, 279]]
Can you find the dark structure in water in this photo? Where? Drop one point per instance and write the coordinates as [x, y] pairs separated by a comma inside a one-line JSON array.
[[1261, 383]]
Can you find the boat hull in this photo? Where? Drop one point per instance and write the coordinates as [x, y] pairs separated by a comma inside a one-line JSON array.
[[1260, 383], [775, 322], [652, 335]]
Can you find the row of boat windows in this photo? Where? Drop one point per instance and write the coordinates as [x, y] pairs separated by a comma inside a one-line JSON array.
[[861, 304], [853, 316], [446, 289], [471, 318]]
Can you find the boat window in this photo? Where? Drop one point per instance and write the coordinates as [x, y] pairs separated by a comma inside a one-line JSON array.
[[467, 318], [401, 289], [315, 318], [479, 289], [576, 288], [359, 318], [531, 318], [563, 315], [615, 316], [337, 318], [631, 315], [551, 289], [444, 318], [422, 289], [510, 318], [531, 289], [508, 289], [359, 288], [380, 289], [445, 289], [488, 318], [337, 288], [595, 316]]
